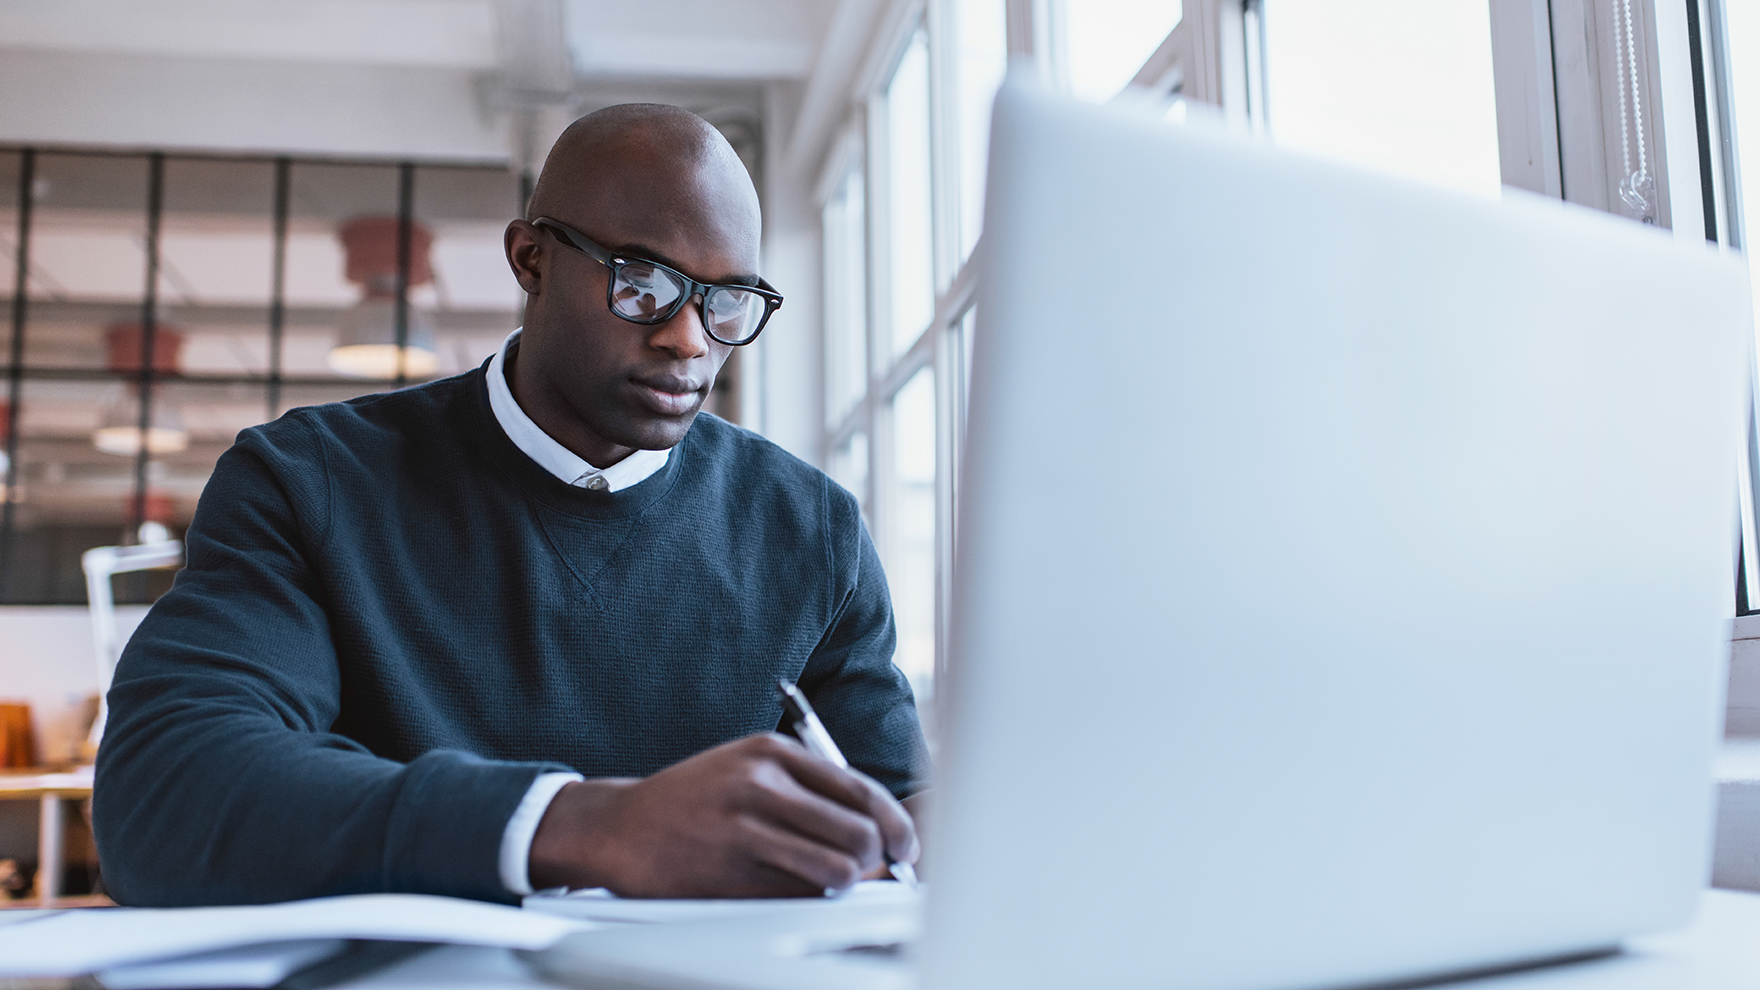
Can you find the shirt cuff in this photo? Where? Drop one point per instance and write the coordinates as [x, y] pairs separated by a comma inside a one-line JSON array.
[[516, 840]]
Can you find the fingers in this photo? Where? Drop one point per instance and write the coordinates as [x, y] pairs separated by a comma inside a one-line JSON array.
[[782, 800], [752, 818], [897, 828], [856, 791], [759, 879], [821, 866], [820, 775]]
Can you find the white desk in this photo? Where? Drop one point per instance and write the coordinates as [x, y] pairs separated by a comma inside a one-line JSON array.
[[1720, 951], [50, 789], [1736, 862], [453, 967]]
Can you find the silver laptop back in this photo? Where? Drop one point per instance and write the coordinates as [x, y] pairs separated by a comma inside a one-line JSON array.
[[1342, 571]]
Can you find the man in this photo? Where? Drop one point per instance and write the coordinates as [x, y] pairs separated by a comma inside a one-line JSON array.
[[521, 628]]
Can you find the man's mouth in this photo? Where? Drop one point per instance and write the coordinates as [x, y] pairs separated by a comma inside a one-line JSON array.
[[668, 395]]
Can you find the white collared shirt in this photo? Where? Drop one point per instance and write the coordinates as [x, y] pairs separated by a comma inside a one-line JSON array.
[[569, 467]]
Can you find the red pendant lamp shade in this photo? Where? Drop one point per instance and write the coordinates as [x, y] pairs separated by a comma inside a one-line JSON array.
[[366, 345], [123, 347], [119, 431]]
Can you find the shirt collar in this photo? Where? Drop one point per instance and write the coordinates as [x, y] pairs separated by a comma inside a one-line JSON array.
[[554, 457]]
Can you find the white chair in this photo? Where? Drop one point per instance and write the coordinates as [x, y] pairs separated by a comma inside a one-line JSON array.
[[155, 550]]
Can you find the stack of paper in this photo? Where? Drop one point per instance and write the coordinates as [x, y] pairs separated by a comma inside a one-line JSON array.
[[241, 946], [251, 966], [601, 905]]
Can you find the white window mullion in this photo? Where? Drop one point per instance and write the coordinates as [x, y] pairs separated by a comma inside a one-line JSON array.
[[1722, 95], [1672, 79], [1210, 57], [1035, 33], [1527, 113], [941, 20], [1561, 62], [943, 142], [879, 301], [1730, 33], [949, 388]]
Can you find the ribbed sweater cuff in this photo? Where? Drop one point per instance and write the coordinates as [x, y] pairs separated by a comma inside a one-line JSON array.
[[446, 827]]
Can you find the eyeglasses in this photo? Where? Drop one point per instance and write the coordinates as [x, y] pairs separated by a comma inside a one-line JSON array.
[[648, 292]]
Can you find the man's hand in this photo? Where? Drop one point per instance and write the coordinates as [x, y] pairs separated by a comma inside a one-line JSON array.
[[757, 817]]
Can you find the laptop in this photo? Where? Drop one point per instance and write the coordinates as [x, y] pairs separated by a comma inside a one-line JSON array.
[[1343, 575]]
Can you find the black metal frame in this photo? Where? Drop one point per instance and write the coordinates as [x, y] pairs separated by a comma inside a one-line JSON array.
[[27, 168], [406, 208], [278, 282], [614, 261], [147, 376], [149, 333]]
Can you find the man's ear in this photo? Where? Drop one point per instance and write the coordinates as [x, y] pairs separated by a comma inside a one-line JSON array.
[[523, 255]]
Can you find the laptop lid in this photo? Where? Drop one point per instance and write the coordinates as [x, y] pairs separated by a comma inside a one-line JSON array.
[[1342, 570]]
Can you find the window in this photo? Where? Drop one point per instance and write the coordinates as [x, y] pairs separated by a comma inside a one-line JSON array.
[[199, 296], [910, 283], [1392, 84], [1108, 41], [898, 231], [1732, 93], [1742, 31], [849, 467], [1467, 94], [980, 37], [1411, 88], [901, 203], [908, 545], [845, 232]]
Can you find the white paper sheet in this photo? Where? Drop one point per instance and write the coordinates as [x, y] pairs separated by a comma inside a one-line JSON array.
[[599, 904], [250, 966], [71, 943]]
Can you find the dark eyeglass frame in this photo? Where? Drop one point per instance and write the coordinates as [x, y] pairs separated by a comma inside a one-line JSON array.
[[614, 261]]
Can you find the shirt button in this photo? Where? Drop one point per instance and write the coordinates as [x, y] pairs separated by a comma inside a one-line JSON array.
[[596, 483]]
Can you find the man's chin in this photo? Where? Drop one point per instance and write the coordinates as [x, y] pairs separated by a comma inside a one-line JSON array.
[[663, 434]]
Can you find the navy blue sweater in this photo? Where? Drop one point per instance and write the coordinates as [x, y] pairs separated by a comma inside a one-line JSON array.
[[392, 620]]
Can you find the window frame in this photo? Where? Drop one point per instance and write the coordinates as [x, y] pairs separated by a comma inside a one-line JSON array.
[[150, 385], [1557, 132], [1033, 29], [1557, 120]]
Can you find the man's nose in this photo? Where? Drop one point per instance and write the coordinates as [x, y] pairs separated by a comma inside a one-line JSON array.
[[684, 335]]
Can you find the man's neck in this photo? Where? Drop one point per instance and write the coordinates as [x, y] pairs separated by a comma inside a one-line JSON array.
[[562, 428]]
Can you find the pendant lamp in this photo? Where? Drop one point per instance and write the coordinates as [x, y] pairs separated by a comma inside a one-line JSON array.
[[119, 426], [119, 429], [366, 343], [160, 512]]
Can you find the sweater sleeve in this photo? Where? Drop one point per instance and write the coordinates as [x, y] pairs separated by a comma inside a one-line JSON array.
[[863, 698], [219, 780]]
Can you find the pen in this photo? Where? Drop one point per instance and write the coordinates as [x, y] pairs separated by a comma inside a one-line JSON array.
[[818, 742]]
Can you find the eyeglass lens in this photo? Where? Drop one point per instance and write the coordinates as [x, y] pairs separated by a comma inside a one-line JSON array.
[[641, 291]]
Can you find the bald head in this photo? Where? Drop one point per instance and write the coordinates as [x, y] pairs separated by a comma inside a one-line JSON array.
[[666, 162]]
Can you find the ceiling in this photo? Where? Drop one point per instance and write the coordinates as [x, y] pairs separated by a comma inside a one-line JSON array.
[[671, 39], [433, 80]]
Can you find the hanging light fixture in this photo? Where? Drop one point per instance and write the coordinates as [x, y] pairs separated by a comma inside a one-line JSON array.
[[119, 427], [119, 430], [366, 344], [158, 513]]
